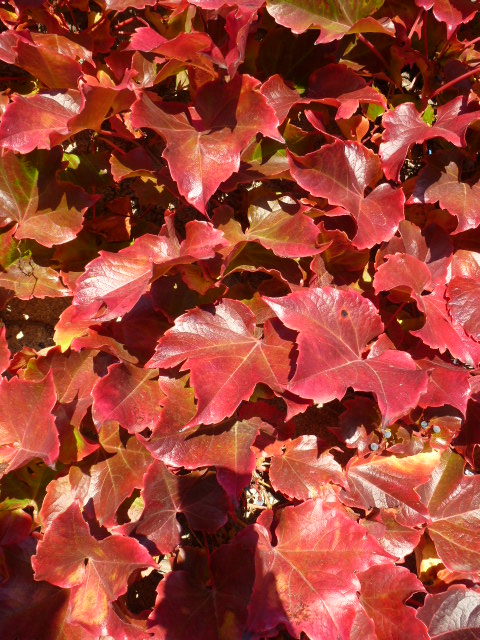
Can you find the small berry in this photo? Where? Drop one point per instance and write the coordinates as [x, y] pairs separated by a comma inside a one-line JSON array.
[[424, 424], [436, 429], [387, 433], [374, 446]]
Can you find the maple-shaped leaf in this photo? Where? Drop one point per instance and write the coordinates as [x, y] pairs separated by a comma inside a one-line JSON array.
[[453, 502], [397, 539], [384, 589], [282, 226], [39, 121], [114, 478], [463, 292], [204, 150], [443, 185], [225, 357], [402, 271], [27, 427], [212, 603], [95, 571], [112, 283], [453, 614], [335, 328], [341, 172], [404, 127], [333, 18], [447, 384], [307, 579], [298, 470], [44, 209], [165, 494], [452, 12], [390, 482], [129, 396], [55, 69], [226, 446]]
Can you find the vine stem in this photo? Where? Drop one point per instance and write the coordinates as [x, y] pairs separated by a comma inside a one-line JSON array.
[[453, 82], [415, 24], [373, 49], [394, 316]]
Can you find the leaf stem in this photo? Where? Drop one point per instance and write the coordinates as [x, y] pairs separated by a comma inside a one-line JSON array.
[[415, 24], [453, 82], [373, 49]]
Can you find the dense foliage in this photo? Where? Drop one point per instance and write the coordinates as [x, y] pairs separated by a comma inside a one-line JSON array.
[[260, 416]]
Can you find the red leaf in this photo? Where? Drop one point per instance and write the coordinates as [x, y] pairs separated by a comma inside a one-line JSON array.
[[39, 121], [55, 69], [216, 611], [341, 172], [463, 292], [27, 427], [447, 384], [204, 150], [453, 502], [452, 12], [4, 351], [404, 127], [395, 538], [383, 593], [313, 592], [389, 482], [69, 557], [300, 470], [196, 495], [335, 328], [334, 18], [129, 396], [452, 615], [225, 357], [114, 479]]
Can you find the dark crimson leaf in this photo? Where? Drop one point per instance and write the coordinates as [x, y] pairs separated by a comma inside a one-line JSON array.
[[165, 494], [453, 504], [314, 592], [27, 427], [215, 611], [113, 480], [205, 151], [384, 589], [341, 172], [225, 357], [404, 127], [334, 18], [129, 396], [391, 483], [39, 121], [44, 209], [69, 557], [452, 615], [299, 470], [335, 328]]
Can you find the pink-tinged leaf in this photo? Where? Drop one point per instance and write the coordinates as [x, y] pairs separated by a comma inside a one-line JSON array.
[[54, 69], [112, 283], [391, 482], [453, 614], [335, 328], [198, 496], [402, 271], [39, 121], [225, 357], [44, 209], [122, 5], [281, 225], [404, 127], [395, 538], [463, 293], [308, 580], [27, 427], [461, 199], [96, 571], [447, 384], [299, 471], [189, 606], [114, 479], [280, 96], [453, 502], [384, 589], [334, 18], [145, 39], [341, 172], [129, 396], [452, 12], [204, 151], [4, 350]]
